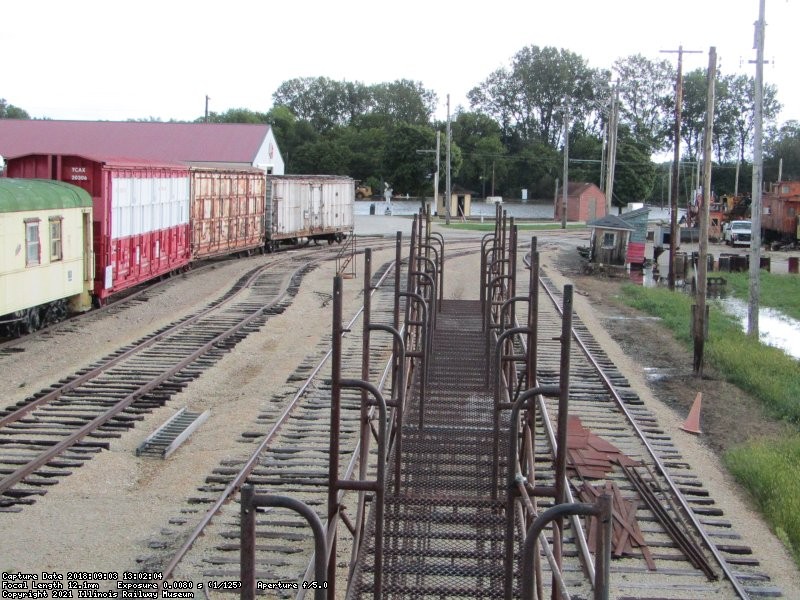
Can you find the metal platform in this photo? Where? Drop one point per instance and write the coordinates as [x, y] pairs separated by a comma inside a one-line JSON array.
[[444, 533]]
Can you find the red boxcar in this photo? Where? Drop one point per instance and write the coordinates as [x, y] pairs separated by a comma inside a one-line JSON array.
[[227, 210], [141, 214]]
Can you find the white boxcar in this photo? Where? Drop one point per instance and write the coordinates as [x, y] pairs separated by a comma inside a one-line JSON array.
[[304, 207]]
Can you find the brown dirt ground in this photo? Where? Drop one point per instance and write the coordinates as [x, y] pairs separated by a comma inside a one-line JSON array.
[[729, 416]]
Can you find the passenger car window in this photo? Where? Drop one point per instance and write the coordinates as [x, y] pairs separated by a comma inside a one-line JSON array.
[[32, 243]]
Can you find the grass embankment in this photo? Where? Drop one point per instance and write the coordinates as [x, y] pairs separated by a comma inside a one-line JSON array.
[[768, 468]]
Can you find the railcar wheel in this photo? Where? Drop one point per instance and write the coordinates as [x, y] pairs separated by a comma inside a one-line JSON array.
[[55, 312], [32, 319]]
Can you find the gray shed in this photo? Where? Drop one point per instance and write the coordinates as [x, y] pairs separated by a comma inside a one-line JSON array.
[[609, 245]]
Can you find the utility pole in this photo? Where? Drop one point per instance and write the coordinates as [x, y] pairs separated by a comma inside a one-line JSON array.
[[673, 226], [448, 191], [566, 171], [699, 322], [555, 194], [436, 174], [758, 175], [613, 127], [207, 99]]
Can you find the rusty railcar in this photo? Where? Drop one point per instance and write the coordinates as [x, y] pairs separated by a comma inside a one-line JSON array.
[[781, 211], [227, 210]]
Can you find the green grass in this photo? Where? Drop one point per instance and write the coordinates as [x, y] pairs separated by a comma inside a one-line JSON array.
[[768, 469], [780, 292], [767, 373]]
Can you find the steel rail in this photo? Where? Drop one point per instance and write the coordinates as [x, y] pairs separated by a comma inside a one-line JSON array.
[[740, 591], [255, 456], [89, 375], [125, 402]]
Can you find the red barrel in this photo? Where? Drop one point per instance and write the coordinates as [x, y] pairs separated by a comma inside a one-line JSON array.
[[793, 262]]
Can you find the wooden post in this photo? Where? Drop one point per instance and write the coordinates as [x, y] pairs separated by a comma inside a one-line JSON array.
[[702, 264]]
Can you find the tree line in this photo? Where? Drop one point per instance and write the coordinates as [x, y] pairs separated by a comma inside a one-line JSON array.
[[511, 136]]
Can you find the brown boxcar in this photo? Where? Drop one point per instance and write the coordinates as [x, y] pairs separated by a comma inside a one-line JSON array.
[[227, 210]]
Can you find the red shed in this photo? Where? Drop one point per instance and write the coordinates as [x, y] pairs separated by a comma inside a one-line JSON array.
[[140, 214], [585, 202]]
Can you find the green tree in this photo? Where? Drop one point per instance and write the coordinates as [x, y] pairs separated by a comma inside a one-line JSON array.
[[533, 94], [585, 154], [403, 101], [479, 138], [366, 149], [646, 94], [321, 101], [634, 174], [291, 134], [740, 90], [693, 113], [326, 103], [237, 115], [535, 168], [409, 171], [784, 145], [9, 111], [324, 156]]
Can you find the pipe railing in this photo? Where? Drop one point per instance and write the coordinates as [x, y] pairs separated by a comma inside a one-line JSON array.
[[250, 502]]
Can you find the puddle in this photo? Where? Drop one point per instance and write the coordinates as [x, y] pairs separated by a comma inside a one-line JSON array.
[[774, 328], [655, 374]]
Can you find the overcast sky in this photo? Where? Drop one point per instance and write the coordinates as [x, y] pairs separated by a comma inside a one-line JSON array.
[[133, 60]]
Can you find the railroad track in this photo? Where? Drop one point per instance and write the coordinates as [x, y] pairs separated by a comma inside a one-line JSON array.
[[606, 405], [55, 430], [290, 459]]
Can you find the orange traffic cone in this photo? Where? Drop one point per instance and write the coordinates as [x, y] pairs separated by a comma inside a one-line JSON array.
[[692, 423]]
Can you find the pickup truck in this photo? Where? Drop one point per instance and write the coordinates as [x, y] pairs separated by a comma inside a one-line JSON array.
[[736, 233]]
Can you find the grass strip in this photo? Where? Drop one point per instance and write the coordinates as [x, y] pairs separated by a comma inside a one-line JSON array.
[[769, 469], [765, 372]]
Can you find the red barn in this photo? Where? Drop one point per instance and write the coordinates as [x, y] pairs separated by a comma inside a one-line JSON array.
[[585, 202]]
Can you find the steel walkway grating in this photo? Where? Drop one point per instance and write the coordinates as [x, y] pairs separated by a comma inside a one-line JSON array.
[[443, 534]]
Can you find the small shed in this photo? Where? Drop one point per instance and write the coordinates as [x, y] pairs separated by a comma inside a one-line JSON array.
[[460, 203], [585, 202], [638, 237], [610, 238]]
